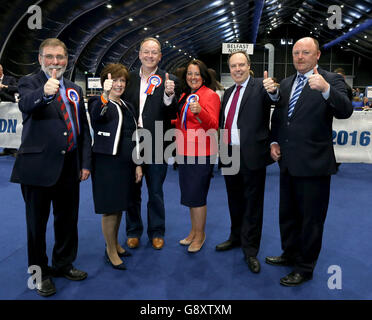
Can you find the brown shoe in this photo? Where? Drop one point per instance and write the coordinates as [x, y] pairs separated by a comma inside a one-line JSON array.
[[133, 243], [157, 243]]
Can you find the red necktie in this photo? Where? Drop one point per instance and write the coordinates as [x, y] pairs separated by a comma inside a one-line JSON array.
[[70, 133], [231, 113]]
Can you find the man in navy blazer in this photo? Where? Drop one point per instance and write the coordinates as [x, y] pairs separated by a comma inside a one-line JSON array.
[[8, 87], [301, 128], [53, 158], [152, 92], [245, 189]]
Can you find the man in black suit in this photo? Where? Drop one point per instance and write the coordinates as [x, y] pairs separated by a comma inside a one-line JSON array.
[[301, 128], [8, 87], [53, 158], [246, 107], [349, 90], [152, 91]]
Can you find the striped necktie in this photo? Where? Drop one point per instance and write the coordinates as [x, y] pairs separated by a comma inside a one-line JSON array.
[[296, 94], [70, 133]]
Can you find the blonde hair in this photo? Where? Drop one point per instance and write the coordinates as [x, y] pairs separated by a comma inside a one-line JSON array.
[[150, 39]]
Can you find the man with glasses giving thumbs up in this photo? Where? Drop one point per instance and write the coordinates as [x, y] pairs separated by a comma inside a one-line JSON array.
[[301, 129], [53, 158]]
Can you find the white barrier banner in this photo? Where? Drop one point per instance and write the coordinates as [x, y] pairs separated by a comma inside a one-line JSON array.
[[10, 125], [352, 138]]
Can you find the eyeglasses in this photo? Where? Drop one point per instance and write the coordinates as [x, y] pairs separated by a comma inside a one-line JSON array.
[[59, 57]]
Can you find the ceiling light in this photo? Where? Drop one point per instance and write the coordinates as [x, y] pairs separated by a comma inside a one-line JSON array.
[[223, 19], [217, 3]]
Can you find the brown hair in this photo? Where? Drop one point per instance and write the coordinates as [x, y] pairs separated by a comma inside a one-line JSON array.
[[52, 42], [340, 71], [242, 52], [215, 85], [117, 70], [207, 80]]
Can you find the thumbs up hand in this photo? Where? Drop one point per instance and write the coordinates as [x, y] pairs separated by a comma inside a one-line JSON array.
[[317, 82], [51, 87], [107, 86], [269, 84], [168, 86]]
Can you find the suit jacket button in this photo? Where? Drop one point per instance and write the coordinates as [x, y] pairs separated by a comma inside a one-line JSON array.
[[63, 152], [288, 123], [65, 133]]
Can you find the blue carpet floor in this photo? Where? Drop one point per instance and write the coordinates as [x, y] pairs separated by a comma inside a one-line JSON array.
[[173, 274]]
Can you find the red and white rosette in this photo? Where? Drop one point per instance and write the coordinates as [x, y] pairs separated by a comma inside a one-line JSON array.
[[153, 82], [74, 99]]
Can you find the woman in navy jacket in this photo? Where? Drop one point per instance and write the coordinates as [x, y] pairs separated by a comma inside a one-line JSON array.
[[113, 169]]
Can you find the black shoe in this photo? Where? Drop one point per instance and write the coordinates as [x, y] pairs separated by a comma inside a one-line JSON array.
[[294, 279], [227, 245], [120, 266], [46, 288], [253, 264], [279, 261], [73, 274], [124, 254]]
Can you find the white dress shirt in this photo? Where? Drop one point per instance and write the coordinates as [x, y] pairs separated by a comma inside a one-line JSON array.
[[234, 126], [143, 95]]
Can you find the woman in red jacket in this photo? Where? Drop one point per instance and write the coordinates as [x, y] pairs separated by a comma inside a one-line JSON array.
[[196, 139]]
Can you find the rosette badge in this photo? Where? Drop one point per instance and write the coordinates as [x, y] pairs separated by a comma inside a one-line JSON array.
[[191, 98], [73, 98], [153, 82]]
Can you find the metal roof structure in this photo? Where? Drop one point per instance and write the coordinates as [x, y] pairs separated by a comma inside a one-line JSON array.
[[98, 31]]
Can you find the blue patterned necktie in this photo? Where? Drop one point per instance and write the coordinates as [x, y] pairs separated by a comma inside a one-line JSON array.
[[300, 85]]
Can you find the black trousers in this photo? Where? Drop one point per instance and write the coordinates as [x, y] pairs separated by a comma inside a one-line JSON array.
[[245, 192], [64, 196], [302, 213]]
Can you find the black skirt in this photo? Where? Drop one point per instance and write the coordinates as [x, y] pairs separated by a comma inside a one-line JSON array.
[[112, 181], [113, 176], [194, 181]]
